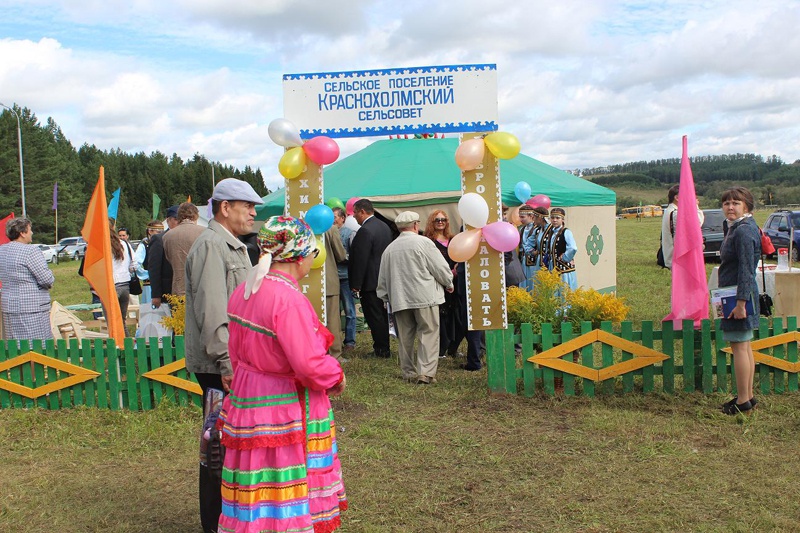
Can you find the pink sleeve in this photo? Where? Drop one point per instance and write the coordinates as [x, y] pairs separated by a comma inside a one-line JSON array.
[[304, 347]]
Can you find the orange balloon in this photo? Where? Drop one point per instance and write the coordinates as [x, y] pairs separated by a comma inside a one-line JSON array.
[[464, 245], [469, 154]]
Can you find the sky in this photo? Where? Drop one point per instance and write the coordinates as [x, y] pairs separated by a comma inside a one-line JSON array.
[[581, 83]]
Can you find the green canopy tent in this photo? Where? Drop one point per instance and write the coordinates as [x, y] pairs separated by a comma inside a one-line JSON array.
[[421, 175]]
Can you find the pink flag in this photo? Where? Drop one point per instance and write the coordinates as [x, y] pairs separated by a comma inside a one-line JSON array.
[[689, 285]]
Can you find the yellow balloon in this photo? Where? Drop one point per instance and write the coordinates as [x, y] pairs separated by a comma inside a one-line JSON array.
[[292, 163], [320, 259], [503, 145]]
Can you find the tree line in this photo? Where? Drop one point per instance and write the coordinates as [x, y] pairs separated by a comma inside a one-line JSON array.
[[49, 157], [772, 181]]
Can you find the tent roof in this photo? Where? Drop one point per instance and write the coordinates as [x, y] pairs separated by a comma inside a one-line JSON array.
[[410, 172]]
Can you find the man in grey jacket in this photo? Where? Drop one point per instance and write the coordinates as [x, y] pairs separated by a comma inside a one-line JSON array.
[[217, 263], [411, 278]]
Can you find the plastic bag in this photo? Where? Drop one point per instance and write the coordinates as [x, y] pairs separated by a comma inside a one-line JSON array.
[[150, 322]]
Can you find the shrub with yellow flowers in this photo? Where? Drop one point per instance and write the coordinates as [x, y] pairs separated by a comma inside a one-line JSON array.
[[176, 320], [553, 302]]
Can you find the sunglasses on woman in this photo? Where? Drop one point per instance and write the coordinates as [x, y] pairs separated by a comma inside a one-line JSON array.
[[440, 220]]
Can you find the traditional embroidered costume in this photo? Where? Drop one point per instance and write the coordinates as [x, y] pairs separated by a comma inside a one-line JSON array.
[[281, 470], [562, 250]]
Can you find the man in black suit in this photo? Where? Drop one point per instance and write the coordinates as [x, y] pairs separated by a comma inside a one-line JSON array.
[[158, 267], [364, 265]]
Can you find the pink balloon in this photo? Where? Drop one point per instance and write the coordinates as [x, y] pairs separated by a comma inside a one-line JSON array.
[[532, 203], [321, 150], [464, 245], [501, 236], [540, 200], [348, 207], [469, 154]]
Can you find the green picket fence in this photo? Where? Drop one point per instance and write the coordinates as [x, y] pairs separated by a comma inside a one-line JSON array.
[[93, 372], [694, 359]]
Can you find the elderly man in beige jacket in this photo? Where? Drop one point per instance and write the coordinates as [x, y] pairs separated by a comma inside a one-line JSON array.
[[413, 277]]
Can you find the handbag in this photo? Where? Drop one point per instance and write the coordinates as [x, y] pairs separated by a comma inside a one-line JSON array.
[[134, 286], [764, 299], [766, 244]]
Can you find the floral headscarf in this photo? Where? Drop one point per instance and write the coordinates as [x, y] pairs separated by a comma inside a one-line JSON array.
[[283, 239]]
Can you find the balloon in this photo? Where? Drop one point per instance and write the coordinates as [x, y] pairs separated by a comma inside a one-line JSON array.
[[541, 200], [350, 203], [284, 133], [469, 154], [320, 259], [334, 202], [502, 144], [513, 216], [501, 236], [532, 203], [464, 245], [319, 218], [352, 223], [292, 163], [321, 150], [522, 191], [473, 210]]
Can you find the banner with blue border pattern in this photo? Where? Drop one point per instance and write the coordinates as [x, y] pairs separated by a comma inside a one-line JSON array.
[[363, 103]]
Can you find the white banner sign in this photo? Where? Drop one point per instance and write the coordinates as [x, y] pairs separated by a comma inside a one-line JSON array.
[[453, 98]]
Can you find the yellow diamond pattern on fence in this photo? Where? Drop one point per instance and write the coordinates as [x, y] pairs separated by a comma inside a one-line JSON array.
[[642, 356], [164, 375], [766, 359], [77, 375]]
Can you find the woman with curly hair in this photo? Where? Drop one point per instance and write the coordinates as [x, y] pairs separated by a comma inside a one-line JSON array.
[[437, 229]]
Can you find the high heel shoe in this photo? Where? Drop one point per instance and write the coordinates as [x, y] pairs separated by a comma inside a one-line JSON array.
[[733, 408]]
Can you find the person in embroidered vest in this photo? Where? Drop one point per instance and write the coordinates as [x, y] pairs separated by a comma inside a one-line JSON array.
[[527, 254], [26, 283], [535, 245], [140, 256], [739, 256], [217, 263], [281, 469], [411, 279], [562, 248]]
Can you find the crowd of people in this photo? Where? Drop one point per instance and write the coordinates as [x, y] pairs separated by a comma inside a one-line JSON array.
[[252, 335]]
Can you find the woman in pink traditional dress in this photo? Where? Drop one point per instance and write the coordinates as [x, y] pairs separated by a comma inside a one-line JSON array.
[[281, 470]]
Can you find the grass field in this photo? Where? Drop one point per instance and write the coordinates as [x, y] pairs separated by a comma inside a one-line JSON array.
[[446, 458]]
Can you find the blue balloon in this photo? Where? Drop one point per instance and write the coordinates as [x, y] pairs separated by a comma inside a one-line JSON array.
[[319, 218], [522, 191]]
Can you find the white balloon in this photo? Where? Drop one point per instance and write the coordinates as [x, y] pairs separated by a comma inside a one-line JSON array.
[[473, 210], [284, 133], [352, 223]]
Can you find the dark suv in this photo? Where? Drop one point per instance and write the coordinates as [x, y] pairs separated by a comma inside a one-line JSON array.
[[712, 232], [779, 227]]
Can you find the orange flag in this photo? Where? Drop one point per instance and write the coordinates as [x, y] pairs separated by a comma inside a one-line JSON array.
[[189, 198], [98, 268]]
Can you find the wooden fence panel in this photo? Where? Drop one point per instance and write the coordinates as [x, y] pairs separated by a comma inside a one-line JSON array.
[[587, 359], [626, 332], [647, 341], [548, 374], [569, 380], [102, 380], [608, 358], [5, 396], [791, 354], [528, 368]]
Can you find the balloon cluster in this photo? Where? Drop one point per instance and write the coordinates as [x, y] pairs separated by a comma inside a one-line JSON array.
[[523, 193], [474, 210], [321, 150], [469, 154]]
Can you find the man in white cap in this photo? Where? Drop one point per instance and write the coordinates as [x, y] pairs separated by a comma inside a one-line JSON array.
[[217, 263], [411, 278]]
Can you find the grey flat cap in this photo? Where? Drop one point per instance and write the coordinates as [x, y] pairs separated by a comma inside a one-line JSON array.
[[406, 218], [232, 189], [172, 212]]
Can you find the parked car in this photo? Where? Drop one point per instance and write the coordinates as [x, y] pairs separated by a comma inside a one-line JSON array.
[[48, 252], [71, 247], [779, 226], [713, 233]]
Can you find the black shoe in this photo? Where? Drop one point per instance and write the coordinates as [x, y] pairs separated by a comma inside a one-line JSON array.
[[385, 354], [737, 408], [753, 402], [470, 368]]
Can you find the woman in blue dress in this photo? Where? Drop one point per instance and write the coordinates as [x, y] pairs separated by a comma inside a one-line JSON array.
[[533, 242]]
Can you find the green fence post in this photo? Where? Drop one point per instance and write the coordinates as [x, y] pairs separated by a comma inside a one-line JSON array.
[[608, 358], [626, 332], [668, 347], [706, 357], [5, 396], [528, 368], [101, 381], [495, 362], [38, 372], [88, 362], [764, 370], [587, 360], [647, 341], [569, 379], [791, 353], [506, 337], [548, 375], [52, 373], [778, 375]]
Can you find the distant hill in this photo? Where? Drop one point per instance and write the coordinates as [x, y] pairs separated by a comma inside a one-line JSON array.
[[772, 181]]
